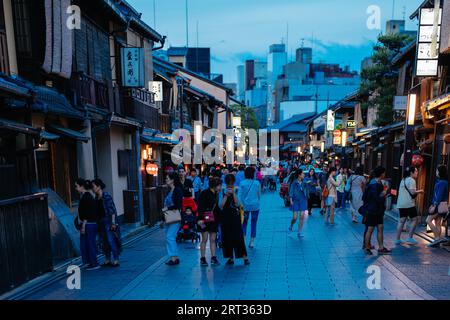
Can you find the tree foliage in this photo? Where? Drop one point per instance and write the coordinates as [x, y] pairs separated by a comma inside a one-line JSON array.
[[248, 117], [379, 80]]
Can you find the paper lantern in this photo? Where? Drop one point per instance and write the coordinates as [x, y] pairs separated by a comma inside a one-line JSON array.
[[168, 170], [417, 160], [151, 169]]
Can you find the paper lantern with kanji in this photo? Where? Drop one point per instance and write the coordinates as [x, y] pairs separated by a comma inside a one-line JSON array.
[[417, 160], [151, 169]]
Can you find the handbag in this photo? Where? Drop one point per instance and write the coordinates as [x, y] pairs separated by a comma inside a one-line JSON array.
[[209, 216], [441, 209], [325, 192], [172, 216], [77, 223]]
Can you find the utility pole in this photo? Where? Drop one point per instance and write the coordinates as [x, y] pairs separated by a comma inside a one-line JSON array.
[[393, 9], [287, 38], [154, 14], [187, 25], [196, 54]]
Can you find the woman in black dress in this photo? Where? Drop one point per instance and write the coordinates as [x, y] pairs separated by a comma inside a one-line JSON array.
[[207, 207], [233, 243]]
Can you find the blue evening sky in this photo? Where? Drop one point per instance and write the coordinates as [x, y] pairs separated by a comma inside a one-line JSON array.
[[237, 30]]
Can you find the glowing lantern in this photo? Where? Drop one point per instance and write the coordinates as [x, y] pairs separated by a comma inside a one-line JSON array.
[[151, 169]]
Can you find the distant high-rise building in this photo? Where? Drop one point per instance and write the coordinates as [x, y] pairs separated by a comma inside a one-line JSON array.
[[240, 95], [255, 83], [395, 26], [398, 26], [195, 59], [303, 55], [276, 60]]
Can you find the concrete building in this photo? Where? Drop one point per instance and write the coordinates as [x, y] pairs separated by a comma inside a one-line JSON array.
[[305, 86], [240, 95], [276, 60]]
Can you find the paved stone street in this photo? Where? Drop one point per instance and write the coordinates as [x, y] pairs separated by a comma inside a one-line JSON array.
[[327, 263]]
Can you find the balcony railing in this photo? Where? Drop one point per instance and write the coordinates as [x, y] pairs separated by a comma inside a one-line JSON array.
[[25, 245], [140, 104], [4, 61], [88, 90]]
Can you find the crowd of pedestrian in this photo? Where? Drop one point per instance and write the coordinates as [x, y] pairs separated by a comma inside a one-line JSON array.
[[219, 203], [223, 200], [332, 188]]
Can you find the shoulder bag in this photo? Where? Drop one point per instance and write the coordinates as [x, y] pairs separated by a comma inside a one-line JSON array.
[[209, 216], [172, 216]]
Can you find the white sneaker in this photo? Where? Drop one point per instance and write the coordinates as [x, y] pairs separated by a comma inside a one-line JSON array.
[[398, 242], [411, 241]]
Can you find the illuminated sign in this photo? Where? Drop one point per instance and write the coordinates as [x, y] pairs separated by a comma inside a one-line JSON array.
[[428, 40], [330, 120]]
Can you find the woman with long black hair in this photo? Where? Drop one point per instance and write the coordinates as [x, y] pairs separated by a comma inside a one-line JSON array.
[[208, 216], [88, 218], [173, 202], [108, 224], [439, 205], [233, 243]]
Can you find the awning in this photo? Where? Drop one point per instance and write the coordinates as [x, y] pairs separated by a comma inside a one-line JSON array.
[[49, 136], [286, 147], [69, 133], [12, 86], [18, 127], [380, 147], [157, 140], [48, 100]]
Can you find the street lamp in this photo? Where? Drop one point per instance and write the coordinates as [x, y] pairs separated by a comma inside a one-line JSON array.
[[412, 103], [409, 134], [322, 146], [344, 138], [198, 133], [299, 149]]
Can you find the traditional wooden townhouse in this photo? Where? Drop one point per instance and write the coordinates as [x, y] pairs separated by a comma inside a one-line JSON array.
[[75, 100]]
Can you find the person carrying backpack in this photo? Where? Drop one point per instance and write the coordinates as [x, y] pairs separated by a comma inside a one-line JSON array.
[[373, 211]]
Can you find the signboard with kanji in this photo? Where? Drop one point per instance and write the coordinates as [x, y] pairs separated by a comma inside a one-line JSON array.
[[132, 67], [157, 88], [428, 40]]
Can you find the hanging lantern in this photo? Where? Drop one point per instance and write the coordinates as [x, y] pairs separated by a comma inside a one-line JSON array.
[[417, 160], [151, 169], [168, 170]]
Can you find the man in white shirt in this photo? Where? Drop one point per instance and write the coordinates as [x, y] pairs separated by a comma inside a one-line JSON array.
[[406, 203]]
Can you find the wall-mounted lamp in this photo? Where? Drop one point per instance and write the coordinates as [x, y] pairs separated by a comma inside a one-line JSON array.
[[344, 138], [412, 103]]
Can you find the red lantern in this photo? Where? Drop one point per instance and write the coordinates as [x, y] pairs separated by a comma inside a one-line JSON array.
[[168, 170], [417, 160], [151, 169]]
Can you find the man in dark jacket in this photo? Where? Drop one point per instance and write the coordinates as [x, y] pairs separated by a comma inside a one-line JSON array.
[[374, 206]]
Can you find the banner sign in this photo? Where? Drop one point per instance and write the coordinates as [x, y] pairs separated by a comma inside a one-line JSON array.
[[428, 40], [132, 67], [330, 120], [157, 88]]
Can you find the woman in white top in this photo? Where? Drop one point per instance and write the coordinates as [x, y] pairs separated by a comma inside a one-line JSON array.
[[357, 185], [330, 202], [406, 204]]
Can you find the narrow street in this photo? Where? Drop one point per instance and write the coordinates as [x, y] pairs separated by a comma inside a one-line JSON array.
[[327, 263]]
